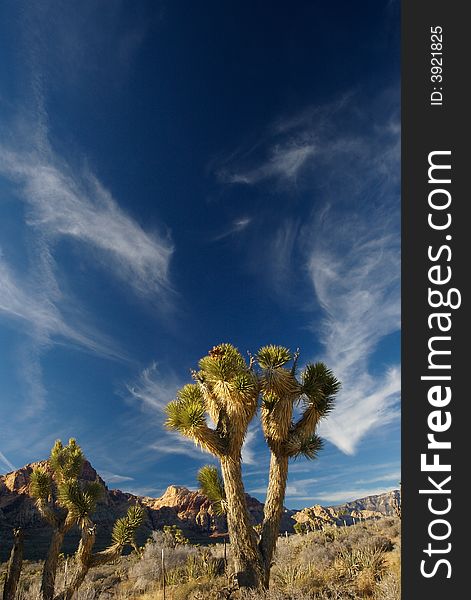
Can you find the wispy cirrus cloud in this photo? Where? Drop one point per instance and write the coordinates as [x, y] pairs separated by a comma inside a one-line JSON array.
[[4, 462], [73, 204], [284, 162], [251, 447], [236, 226], [357, 285], [66, 202], [34, 304], [154, 391], [109, 477]]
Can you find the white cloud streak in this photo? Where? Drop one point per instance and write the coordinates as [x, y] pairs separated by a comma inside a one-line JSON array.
[[249, 451], [5, 462], [237, 226], [114, 477], [357, 286], [37, 308], [154, 391], [33, 303], [284, 162], [76, 206]]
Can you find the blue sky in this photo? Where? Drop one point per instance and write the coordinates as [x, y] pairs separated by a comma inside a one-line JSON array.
[[174, 175]]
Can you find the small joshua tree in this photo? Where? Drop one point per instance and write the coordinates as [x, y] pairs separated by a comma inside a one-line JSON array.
[[64, 501], [61, 500], [123, 535], [228, 389]]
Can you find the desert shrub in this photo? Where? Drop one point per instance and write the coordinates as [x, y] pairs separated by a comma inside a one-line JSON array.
[[183, 562], [333, 591], [389, 588], [148, 569], [173, 536], [362, 566]]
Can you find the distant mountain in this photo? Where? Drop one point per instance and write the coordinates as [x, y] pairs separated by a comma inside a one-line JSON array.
[[189, 510], [383, 504], [370, 507]]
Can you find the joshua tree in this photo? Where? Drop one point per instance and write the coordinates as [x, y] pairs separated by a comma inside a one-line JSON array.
[[228, 390], [64, 501], [14, 566], [123, 535], [61, 500], [286, 436]]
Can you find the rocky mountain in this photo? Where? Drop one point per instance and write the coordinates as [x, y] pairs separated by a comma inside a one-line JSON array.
[[380, 505], [189, 510], [370, 507]]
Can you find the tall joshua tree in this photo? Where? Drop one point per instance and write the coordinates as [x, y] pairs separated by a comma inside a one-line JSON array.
[[287, 437], [64, 501], [228, 389]]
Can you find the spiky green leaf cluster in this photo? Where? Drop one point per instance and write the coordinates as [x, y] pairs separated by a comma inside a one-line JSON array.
[[244, 384], [135, 516], [80, 501], [212, 486], [277, 382], [223, 363], [40, 485], [125, 528], [187, 412], [66, 461], [269, 401], [319, 386], [308, 447], [228, 384], [273, 357]]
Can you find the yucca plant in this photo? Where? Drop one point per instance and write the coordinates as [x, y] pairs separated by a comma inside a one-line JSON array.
[[123, 535], [228, 389], [287, 437], [65, 500], [55, 488]]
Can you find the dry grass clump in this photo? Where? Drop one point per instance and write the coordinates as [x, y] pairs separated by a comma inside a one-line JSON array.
[[357, 562], [187, 568], [360, 562]]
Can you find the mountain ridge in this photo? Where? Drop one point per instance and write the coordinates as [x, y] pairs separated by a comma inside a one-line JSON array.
[[189, 510]]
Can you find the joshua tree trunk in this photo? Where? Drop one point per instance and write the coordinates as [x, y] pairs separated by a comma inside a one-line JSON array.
[[50, 565], [83, 556], [247, 557], [14, 566], [273, 510]]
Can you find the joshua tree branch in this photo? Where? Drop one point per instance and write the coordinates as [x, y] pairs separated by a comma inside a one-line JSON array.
[[209, 439], [307, 423]]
